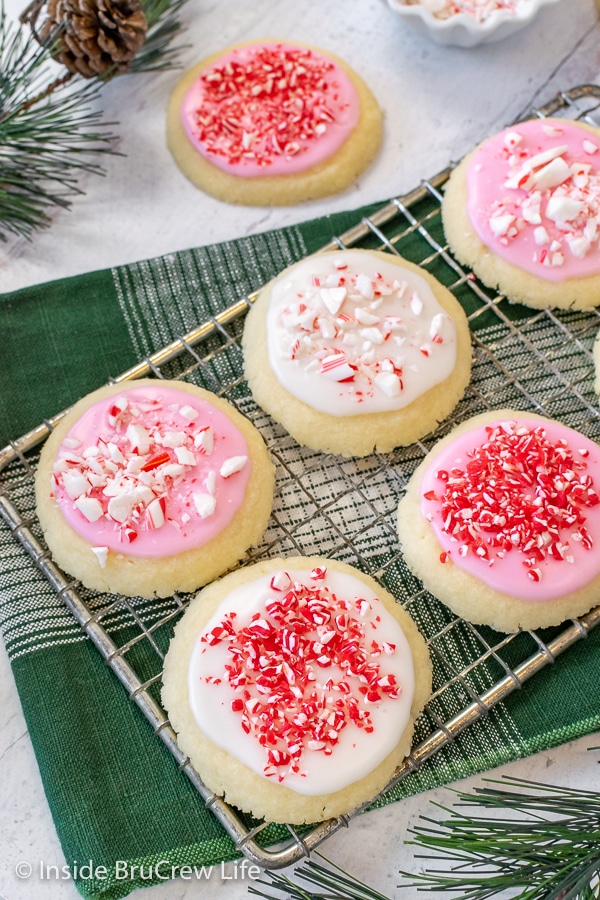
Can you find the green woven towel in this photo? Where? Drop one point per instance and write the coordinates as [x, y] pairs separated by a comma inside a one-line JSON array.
[[114, 790]]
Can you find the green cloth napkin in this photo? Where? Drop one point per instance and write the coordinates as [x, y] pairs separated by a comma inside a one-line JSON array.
[[116, 795]]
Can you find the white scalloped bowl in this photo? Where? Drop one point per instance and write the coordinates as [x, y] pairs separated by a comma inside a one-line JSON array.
[[461, 29]]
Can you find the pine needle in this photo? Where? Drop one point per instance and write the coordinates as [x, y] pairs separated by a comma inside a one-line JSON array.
[[313, 881], [157, 53], [543, 844], [546, 846]]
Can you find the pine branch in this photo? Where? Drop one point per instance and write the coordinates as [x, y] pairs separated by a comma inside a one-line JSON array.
[[50, 128], [46, 127], [547, 846]]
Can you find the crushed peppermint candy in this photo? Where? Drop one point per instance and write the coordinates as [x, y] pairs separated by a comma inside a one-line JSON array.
[[137, 462], [266, 103], [354, 330], [302, 669], [534, 195], [479, 10], [519, 492]]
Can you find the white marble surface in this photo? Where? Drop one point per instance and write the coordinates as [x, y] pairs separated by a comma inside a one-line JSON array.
[[438, 102]]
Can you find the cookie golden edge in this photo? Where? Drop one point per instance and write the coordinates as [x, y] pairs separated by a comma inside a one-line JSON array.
[[228, 777], [332, 176], [161, 576], [363, 434], [515, 283], [467, 596]]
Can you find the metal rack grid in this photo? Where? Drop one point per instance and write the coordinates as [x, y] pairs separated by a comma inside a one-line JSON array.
[[345, 508]]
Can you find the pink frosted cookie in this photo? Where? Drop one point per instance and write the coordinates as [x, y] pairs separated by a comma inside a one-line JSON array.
[[501, 521], [152, 487], [272, 123], [357, 350], [293, 686], [523, 211]]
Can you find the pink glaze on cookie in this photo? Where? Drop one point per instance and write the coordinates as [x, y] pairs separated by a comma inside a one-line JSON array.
[[350, 333], [534, 198], [514, 505], [270, 109], [305, 677], [151, 472]]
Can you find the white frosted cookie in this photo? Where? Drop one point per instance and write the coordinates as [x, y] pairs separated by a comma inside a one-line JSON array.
[[272, 124], [523, 211], [151, 487], [501, 521], [293, 686], [354, 351]]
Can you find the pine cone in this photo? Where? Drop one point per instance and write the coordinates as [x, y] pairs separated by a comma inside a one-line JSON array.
[[94, 37]]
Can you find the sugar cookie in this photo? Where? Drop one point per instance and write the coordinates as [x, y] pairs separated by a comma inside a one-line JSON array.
[[293, 685], [272, 123], [151, 487], [357, 350], [523, 211], [501, 521]]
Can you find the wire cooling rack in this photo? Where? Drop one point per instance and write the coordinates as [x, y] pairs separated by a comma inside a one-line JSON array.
[[346, 508]]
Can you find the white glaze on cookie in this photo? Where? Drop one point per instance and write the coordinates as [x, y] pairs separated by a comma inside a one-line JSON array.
[[270, 109], [515, 505], [350, 333], [534, 198], [151, 472], [305, 677]]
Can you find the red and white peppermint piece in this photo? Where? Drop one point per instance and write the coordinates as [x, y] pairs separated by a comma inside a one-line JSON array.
[[188, 413], [116, 409], [333, 298], [501, 222], [156, 512], [281, 581], [336, 368], [365, 286], [101, 554], [562, 209], [389, 383], [205, 504], [184, 456], [204, 440], [551, 175], [416, 304], [172, 439], [138, 438], [121, 506], [365, 317], [75, 483], [90, 508], [232, 465], [512, 139]]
